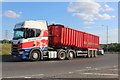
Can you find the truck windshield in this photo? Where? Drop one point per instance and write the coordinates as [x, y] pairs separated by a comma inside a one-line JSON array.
[[19, 33]]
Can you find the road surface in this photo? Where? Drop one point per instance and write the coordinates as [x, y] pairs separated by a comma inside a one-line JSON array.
[[101, 67]]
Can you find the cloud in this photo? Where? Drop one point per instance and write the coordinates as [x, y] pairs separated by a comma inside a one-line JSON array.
[[105, 16], [85, 16], [89, 22], [90, 11], [108, 8], [85, 7], [11, 14]]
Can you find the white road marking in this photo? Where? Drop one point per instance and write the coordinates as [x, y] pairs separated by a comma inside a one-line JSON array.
[[81, 70], [104, 74], [88, 67], [70, 72], [38, 75], [26, 76], [97, 69], [109, 67]]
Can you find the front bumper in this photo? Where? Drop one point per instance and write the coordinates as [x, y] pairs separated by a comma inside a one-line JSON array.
[[22, 56]]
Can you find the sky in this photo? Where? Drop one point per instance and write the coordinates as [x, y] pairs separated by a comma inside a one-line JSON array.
[[92, 17]]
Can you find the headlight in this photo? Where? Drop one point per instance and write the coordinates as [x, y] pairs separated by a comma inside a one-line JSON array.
[[21, 52]]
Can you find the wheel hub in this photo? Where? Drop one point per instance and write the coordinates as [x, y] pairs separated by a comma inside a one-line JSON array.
[[35, 55], [71, 54]]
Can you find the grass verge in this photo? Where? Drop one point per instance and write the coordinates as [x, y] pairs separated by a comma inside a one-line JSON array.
[[6, 49]]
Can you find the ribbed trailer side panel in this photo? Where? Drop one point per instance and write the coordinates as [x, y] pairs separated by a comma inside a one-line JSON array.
[[64, 36], [91, 41], [72, 38]]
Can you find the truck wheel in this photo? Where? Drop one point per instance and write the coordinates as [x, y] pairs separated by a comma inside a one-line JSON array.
[[61, 55], [88, 54], [70, 55], [92, 54], [35, 55], [95, 54]]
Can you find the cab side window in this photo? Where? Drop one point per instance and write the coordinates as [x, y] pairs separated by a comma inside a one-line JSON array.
[[30, 33], [38, 31]]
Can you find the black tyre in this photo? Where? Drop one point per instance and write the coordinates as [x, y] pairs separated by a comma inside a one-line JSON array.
[[88, 54], [61, 54], [35, 55], [95, 54], [70, 55], [92, 54]]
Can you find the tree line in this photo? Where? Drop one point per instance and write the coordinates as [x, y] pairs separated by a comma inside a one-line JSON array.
[[112, 47], [6, 41]]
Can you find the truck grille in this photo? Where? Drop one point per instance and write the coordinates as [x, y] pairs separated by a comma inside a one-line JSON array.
[[14, 49]]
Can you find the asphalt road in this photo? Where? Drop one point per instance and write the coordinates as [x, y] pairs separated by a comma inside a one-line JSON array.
[[101, 67]]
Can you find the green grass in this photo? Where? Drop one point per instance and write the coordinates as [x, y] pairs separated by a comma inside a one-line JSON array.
[[6, 49]]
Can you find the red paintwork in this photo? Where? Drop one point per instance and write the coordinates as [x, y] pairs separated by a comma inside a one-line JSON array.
[[30, 44], [36, 42], [64, 36], [44, 33], [27, 44]]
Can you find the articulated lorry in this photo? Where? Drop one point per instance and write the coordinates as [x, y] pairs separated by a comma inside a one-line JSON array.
[[36, 40]]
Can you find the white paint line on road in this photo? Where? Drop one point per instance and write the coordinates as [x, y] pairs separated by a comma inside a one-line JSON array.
[[37, 75], [81, 70], [15, 77], [100, 68], [101, 74], [88, 67], [26, 76], [97, 69], [70, 72], [109, 67]]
